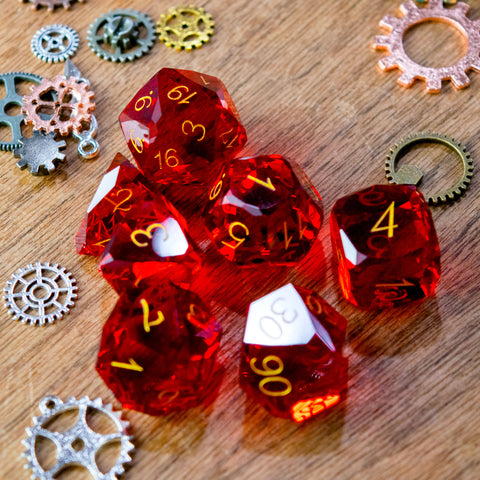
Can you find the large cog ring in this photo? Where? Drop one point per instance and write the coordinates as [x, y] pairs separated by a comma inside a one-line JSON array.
[[40, 293], [185, 28], [115, 36], [79, 445], [412, 175], [55, 43], [51, 4], [12, 98], [70, 106], [413, 15]]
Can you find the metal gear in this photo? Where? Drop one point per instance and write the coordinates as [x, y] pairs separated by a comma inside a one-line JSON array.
[[413, 15], [40, 293], [411, 174], [70, 106], [185, 28], [51, 4], [54, 43], [115, 36], [78, 445], [40, 153], [11, 98]]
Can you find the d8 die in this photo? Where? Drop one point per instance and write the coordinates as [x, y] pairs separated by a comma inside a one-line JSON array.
[[181, 125], [152, 241], [292, 361], [120, 188], [386, 245], [157, 352], [259, 210]]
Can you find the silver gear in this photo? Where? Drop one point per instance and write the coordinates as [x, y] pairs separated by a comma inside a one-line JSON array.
[[51, 4], [80, 434], [50, 296], [114, 36], [40, 153], [54, 43]]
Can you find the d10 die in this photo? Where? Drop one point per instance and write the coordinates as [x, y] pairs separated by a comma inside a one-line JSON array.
[[386, 245], [152, 241], [120, 188], [260, 211], [181, 125], [292, 361], [157, 352]]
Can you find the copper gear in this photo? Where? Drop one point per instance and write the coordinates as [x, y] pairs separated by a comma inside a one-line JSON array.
[[51, 4], [79, 107], [413, 15]]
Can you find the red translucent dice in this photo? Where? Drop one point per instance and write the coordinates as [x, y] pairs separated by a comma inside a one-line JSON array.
[[152, 241], [157, 352], [292, 361], [386, 245], [181, 125], [259, 210], [119, 189]]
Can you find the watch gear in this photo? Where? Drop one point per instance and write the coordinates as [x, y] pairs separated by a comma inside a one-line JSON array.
[[55, 43], [79, 445], [12, 98], [185, 28], [413, 15], [40, 153], [115, 36], [51, 4], [70, 104], [40, 293], [411, 174]]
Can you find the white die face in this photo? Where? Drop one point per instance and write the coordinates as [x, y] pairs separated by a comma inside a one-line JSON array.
[[279, 319], [108, 182]]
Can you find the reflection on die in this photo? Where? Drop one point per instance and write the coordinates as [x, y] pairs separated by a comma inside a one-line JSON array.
[[292, 362]]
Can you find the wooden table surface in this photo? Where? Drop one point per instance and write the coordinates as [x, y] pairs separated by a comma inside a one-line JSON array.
[[303, 76]]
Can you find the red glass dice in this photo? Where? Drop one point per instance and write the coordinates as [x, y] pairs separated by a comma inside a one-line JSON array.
[[181, 125], [120, 188], [386, 245], [258, 210], [292, 361], [157, 352], [152, 241]]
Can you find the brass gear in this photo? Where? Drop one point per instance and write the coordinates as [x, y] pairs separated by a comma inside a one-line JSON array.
[[70, 100], [51, 4], [185, 28]]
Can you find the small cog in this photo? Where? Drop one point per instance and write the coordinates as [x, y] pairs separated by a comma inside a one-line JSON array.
[[50, 4], [116, 35], [185, 28], [55, 43]]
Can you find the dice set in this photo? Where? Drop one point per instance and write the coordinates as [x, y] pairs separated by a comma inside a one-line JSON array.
[[159, 345]]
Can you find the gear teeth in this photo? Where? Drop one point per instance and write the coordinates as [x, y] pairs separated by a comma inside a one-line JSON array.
[[461, 80], [389, 22], [387, 63], [381, 42], [434, 85], [406, 80]]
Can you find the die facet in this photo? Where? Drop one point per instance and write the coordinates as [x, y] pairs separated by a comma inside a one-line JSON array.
[[181, 125], [386, 245], [259, 211], [292, 362], [151, 241], [157, 352], [120, 188]]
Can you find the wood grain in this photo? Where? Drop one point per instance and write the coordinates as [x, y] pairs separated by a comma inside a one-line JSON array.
[[303, 76]]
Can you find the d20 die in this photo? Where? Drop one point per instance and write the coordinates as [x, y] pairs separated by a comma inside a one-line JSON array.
[[181, 125], [386, 245], [292, 361], [157, 352], [120, 188], [152, 241], [260, 210]]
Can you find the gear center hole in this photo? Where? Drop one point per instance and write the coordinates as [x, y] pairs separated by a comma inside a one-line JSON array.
[[435, 44], [41, 292]]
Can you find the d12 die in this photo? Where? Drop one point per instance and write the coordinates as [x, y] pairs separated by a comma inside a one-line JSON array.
[[181, 125], [152, 241], [157, 352], [258, 210], [121, 186], [386, 245], [292, 361]]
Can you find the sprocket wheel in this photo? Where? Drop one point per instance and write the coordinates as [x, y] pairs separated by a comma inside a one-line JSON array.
[[50, 4]]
